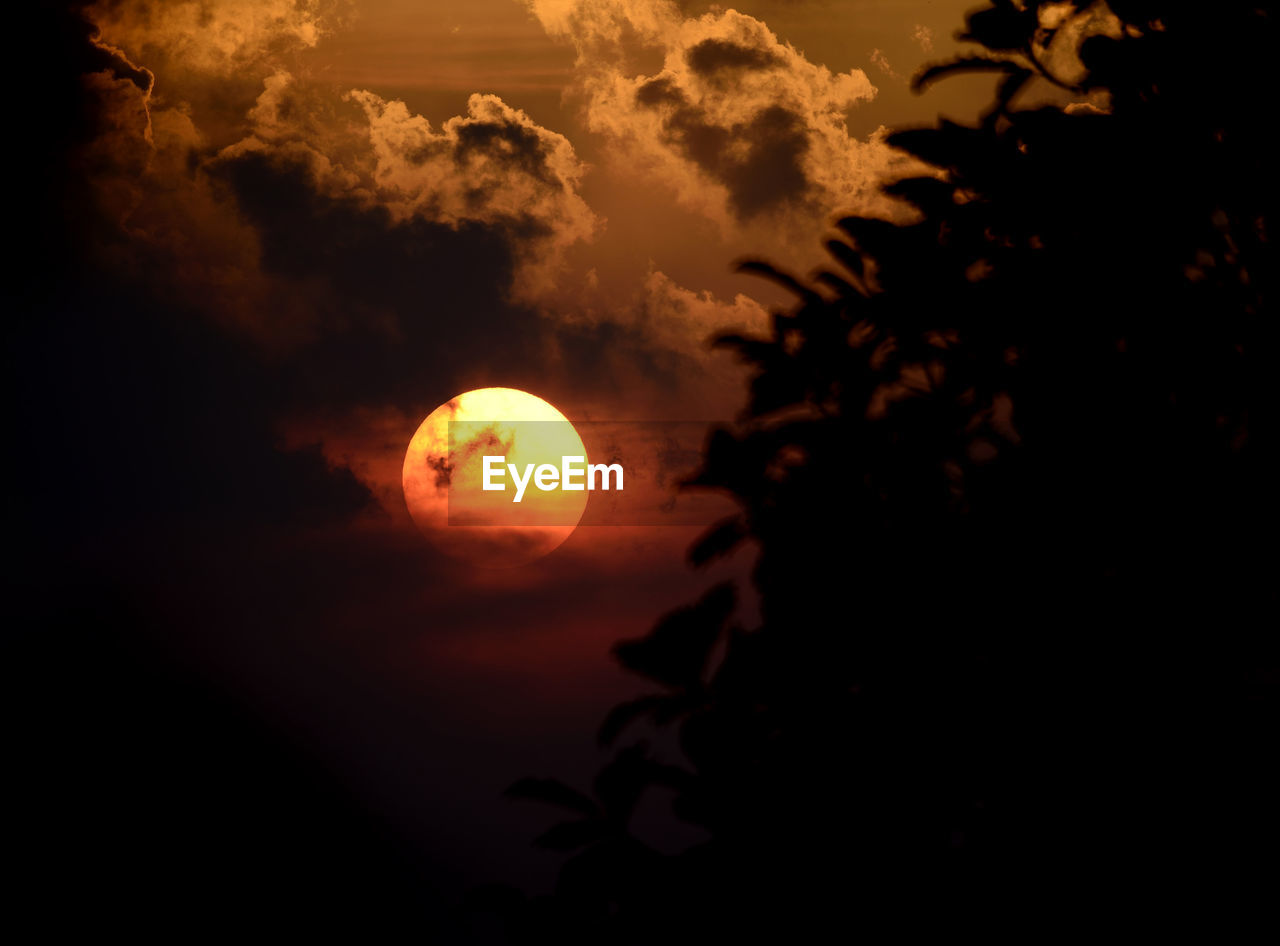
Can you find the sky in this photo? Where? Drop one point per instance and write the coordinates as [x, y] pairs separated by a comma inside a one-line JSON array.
[[274, 236]]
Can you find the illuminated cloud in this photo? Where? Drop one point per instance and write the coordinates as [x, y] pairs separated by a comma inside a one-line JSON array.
[[493, 165], [334, 221], [881, 62], [682, 320], [739, 124], [224, 88], [214, 37], [923, 37]]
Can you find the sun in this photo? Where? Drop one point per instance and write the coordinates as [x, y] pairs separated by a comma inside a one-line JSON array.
[[444, 473]]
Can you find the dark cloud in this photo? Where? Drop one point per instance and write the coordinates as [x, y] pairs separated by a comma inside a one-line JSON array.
[[739, 123], [131, 414], [516, 146], [660, 91], [415, 311], [760, 161], [715, 55], [142, 418], [491, 166], [443, 470], [409, 309]]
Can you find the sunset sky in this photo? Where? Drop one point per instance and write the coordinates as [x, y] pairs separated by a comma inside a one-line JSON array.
[[288, 231]]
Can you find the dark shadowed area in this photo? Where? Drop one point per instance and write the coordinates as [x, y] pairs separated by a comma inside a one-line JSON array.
[[985, 646]]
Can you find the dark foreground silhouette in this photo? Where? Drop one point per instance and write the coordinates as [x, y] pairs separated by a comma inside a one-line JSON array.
[[1010, 473]]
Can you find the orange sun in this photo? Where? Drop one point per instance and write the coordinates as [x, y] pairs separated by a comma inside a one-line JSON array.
[[444, 471]]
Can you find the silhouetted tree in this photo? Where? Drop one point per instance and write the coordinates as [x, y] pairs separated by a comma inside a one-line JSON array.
[[1010, 471]]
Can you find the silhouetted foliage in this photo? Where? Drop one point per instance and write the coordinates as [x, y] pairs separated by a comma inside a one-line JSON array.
[[1010, 471]]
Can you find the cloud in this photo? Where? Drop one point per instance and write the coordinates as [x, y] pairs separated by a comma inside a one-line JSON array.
[[881, 61], [218, 85], [209, 57], [383, 261], [659, 315], [923, 37], [739, 124], [683, 320], [493, 165], [214, 37]]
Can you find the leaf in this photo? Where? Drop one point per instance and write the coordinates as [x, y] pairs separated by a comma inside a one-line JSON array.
[[1010, 86], [962, 64], [867, 232], [927, 193], [720, 461], [756, 351], [552, 792], [624, 714], [1002, 28], [621, 783], [839, 284], [847, 256], [755, 267], [721, 539], [676, 651], [494, 899], [1104, 58], [571, 835], [948, 145]]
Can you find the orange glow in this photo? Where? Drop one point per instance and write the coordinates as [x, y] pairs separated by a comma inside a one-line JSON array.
[[436, 468]]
